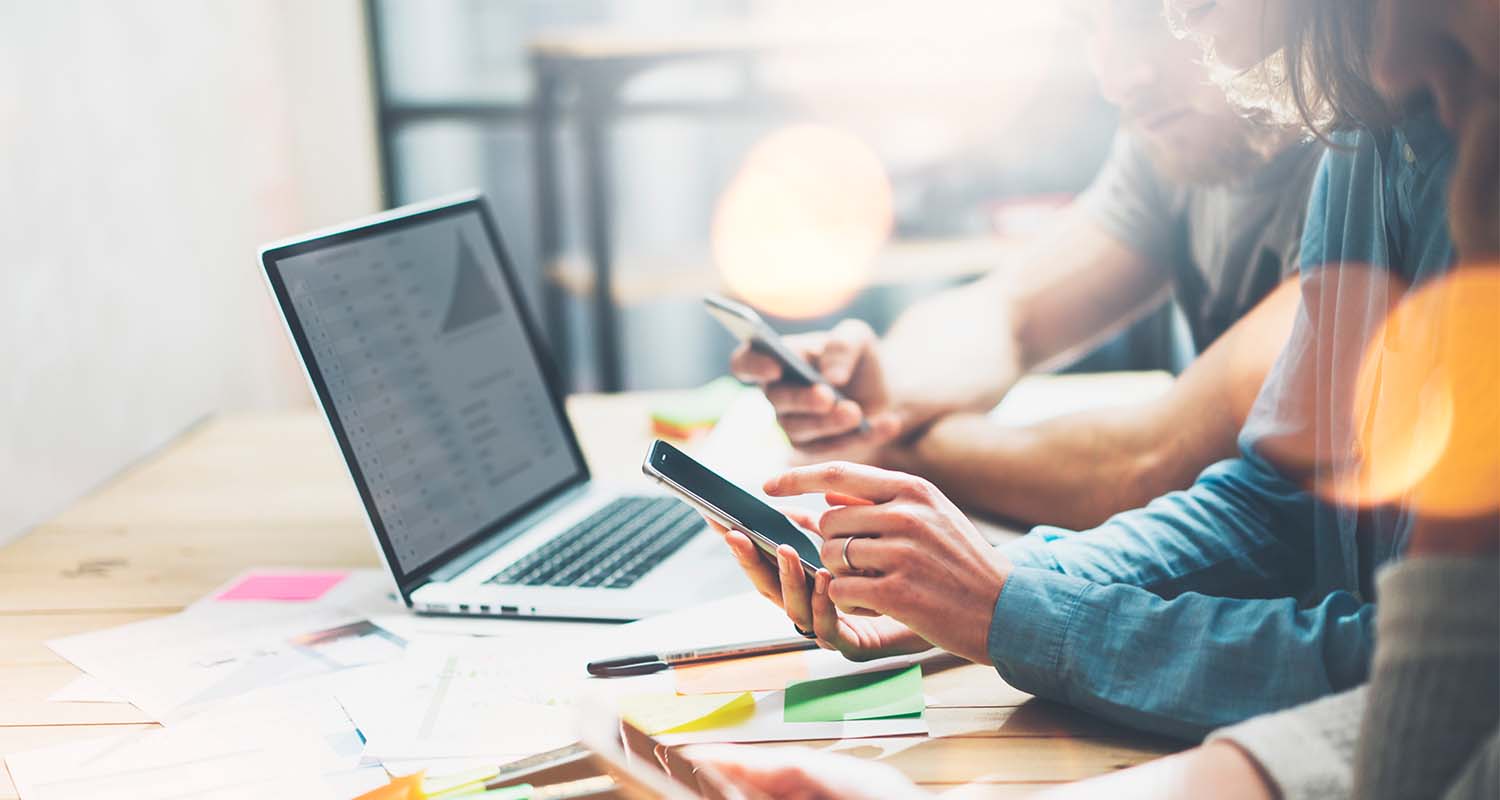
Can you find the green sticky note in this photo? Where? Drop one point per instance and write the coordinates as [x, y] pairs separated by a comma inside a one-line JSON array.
[[700, 407], [870, 695]]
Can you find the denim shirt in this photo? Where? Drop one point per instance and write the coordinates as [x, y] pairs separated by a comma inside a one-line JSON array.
[[1246, 593]]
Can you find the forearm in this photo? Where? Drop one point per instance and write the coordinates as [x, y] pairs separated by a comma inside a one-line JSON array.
[[1307, 751], [1073, 471], [972, 368], [1216, 770], [1121, 652], [1078, 469], [962, 349]]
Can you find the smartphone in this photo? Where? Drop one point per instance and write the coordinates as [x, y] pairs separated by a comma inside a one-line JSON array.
[[748, 327], [729, 505]]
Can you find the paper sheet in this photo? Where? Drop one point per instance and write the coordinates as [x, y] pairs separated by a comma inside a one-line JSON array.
[[754, 674], [870, 695], [86, 689], [169, 665], [470, 697], [235, 756], [298, 586]]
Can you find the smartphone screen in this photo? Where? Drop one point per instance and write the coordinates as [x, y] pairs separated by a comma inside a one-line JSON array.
[[683, 472]]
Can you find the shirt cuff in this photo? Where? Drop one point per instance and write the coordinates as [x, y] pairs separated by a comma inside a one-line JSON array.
[[1307, 751], [1029, 628], [1032, 549]]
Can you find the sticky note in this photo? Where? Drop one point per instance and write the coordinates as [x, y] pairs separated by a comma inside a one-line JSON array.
[[681, 415], [870, 695], [673, 713], [755, 674], [290, 586]]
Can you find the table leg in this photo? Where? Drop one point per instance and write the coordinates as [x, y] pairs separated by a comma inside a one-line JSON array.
[[593, 108], [544, 114]]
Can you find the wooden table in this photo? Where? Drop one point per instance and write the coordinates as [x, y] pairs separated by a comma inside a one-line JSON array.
[[241, 491]]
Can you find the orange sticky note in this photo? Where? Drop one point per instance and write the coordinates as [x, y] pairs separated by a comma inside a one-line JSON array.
[[754, 674]]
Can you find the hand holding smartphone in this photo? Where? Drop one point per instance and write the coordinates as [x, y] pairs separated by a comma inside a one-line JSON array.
[[749, 328], [729, 505]]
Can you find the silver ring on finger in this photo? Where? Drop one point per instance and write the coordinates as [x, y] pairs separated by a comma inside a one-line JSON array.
[[844, 555]]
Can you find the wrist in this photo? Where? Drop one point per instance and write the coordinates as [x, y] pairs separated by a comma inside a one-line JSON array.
[[999, 573]]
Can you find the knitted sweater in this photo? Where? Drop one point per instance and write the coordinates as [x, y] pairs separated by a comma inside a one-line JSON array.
[[1428, 723]]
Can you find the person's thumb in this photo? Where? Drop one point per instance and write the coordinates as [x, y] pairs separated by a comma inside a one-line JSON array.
[[885, 426], [846, 345]]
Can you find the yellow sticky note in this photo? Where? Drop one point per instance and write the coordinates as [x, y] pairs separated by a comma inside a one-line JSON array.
[[672, 713]]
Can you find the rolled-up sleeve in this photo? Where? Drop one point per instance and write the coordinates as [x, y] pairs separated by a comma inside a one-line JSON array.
[[1180, 666], [1241, 530]]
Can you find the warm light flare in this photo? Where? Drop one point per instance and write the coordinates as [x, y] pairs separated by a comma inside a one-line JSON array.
[[1427, 401], [798, 228]]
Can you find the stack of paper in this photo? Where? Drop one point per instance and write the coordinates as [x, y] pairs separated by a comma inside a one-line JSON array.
[[316, 684], [237, 754]]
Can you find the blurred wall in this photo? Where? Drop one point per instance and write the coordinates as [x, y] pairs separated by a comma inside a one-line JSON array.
[[147, 147]]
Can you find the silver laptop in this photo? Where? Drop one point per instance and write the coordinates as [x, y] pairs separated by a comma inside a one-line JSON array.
[[429, 371]]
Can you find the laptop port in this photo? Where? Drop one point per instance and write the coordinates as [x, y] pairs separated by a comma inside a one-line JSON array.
[[509, 610], [463, 608], [484, 609]]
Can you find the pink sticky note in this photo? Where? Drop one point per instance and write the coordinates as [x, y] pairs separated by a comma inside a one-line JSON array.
[[282, 586]]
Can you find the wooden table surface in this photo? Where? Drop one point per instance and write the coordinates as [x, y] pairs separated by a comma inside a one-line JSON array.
[[242, 491]]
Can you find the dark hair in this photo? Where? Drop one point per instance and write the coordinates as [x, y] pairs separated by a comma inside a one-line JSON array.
[[1326, 66]]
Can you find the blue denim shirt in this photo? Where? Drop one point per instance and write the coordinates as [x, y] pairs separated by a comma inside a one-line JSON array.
[[1244, 593]]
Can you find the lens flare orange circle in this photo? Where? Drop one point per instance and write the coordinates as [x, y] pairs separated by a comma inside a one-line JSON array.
[[1427, 402], [797, 230]]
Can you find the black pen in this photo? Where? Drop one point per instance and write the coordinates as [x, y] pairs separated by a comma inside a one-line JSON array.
[[656, 662]]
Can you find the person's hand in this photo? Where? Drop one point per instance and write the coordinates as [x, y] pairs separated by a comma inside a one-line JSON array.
[[818, 425], [858, 638], [896, 546], [795, 773]]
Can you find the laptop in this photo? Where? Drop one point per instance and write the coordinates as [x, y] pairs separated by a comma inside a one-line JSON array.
[[445, 406]]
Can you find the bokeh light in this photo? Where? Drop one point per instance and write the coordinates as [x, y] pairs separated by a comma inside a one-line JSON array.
[[1426, 408], [797, 230]]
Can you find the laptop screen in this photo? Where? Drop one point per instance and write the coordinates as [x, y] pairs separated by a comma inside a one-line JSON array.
[[424, 362]]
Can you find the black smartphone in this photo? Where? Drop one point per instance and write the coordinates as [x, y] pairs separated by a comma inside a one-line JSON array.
[[729, 505], [747, 326]]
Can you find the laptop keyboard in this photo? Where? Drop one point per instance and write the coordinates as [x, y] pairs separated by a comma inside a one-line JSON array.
[[612, 548]]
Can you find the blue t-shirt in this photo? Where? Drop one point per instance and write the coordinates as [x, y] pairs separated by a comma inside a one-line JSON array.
[[1244, 593]]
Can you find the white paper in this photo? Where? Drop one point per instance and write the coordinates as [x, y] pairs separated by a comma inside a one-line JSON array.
[[744, 617], [502, 699], [86, 689], [168, 666], [245, 755], [411, 626]]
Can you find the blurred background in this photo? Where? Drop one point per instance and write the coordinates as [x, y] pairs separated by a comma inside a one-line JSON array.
[[817, 160]]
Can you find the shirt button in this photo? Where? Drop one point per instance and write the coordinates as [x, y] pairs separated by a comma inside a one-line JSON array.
[[1409, 154]]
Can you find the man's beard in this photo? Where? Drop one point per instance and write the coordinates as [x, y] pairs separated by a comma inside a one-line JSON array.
[[1237, 151]]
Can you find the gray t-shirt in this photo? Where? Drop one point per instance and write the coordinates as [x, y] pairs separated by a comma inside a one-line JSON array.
[[1227, 245]]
